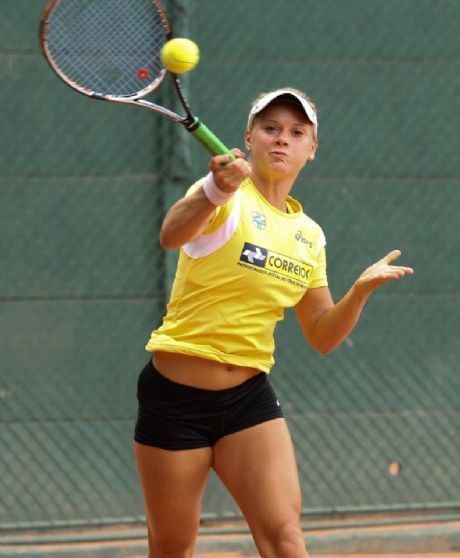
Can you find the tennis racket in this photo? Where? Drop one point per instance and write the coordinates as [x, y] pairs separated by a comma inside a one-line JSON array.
[[110, 50]]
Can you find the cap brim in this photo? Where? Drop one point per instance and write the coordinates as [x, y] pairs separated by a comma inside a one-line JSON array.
[[280, 94]]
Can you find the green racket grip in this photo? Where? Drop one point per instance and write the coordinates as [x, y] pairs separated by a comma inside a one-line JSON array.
[[208, 139]]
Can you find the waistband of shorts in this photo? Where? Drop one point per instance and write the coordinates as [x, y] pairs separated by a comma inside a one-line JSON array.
[[259, 378]]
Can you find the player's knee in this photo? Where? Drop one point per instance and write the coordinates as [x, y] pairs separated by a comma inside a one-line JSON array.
[[288, 542]]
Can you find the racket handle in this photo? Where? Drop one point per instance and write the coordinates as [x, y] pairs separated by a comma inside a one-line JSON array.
[[208, 139]]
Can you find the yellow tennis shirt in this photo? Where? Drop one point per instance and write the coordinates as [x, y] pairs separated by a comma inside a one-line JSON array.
[[234, 281]]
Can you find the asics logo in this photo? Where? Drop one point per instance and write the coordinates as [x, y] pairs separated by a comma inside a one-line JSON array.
[[299, 236]]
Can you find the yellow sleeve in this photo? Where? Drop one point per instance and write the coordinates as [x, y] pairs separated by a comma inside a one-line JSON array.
[[221, 213]]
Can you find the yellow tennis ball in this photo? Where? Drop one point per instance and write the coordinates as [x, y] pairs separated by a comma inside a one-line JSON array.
[[180, 55]]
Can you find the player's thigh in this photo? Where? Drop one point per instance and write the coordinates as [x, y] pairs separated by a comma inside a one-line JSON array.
[[258, 467], [173, 483]]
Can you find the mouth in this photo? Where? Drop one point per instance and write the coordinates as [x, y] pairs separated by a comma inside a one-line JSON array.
[[278, 153]]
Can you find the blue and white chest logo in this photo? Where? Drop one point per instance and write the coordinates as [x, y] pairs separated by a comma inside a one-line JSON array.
[[253, 254], [282, 267], [259, 220]]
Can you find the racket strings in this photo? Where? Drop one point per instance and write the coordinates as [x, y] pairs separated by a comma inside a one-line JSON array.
[[111, 47]]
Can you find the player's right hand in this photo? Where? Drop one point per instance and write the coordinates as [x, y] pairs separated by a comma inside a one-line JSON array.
[[229, 174]]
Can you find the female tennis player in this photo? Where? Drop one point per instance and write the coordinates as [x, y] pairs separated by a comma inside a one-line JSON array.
[[247, 252]]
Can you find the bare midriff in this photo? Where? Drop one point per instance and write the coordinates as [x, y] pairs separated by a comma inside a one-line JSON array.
[[199, 372]]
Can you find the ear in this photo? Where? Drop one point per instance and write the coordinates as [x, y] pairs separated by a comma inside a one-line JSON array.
[[312, 155], [247, 139]]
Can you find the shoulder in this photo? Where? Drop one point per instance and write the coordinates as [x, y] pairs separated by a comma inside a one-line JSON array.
[[312, 224], [296, 207]]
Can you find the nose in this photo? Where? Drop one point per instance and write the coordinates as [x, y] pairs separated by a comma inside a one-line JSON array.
[[282, 138]]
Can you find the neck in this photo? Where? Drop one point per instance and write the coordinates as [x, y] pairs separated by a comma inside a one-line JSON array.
[[274, 190]]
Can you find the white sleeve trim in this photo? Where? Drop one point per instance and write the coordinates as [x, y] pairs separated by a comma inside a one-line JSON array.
[[206, 244]]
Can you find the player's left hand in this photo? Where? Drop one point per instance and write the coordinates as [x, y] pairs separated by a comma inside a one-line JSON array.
[[381, 273]]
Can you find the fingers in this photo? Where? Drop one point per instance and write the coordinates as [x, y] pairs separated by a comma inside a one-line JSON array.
[[222, 160], [394, 272], [229, 173], [382, 272], [238, 153], [388, 272], [392, 256], [400, 270]]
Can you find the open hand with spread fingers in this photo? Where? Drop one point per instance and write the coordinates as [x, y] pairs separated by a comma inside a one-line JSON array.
[[381, 272]]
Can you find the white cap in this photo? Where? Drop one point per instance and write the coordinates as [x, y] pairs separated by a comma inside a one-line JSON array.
[[270, 97]]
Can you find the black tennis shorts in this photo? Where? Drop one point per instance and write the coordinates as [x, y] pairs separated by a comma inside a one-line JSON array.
[[174, 416]]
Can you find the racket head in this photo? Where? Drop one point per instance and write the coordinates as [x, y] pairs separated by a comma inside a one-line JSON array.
[[108, 49]]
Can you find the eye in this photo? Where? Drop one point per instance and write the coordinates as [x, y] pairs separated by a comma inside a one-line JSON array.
[[298, 133], [269, 128]]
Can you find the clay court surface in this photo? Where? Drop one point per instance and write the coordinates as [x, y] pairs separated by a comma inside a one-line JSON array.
[[384, 555], [415, 539], [418, 555]]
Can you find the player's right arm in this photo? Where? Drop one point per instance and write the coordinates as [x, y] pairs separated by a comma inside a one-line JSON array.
[[188, 218]]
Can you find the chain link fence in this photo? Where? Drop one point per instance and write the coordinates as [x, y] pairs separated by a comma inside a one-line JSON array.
[[84, 186]]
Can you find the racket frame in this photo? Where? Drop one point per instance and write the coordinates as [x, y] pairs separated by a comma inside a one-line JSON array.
[[189, 121]]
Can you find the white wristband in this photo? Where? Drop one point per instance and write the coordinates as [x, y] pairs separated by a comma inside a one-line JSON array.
[[214, 194]]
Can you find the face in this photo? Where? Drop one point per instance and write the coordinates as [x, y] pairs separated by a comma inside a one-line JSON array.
[[281, 141]]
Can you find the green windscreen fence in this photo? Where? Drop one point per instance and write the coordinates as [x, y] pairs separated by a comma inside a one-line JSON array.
[[84, 186]]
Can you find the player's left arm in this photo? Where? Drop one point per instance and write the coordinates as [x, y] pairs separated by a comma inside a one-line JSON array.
[[325, 324]]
